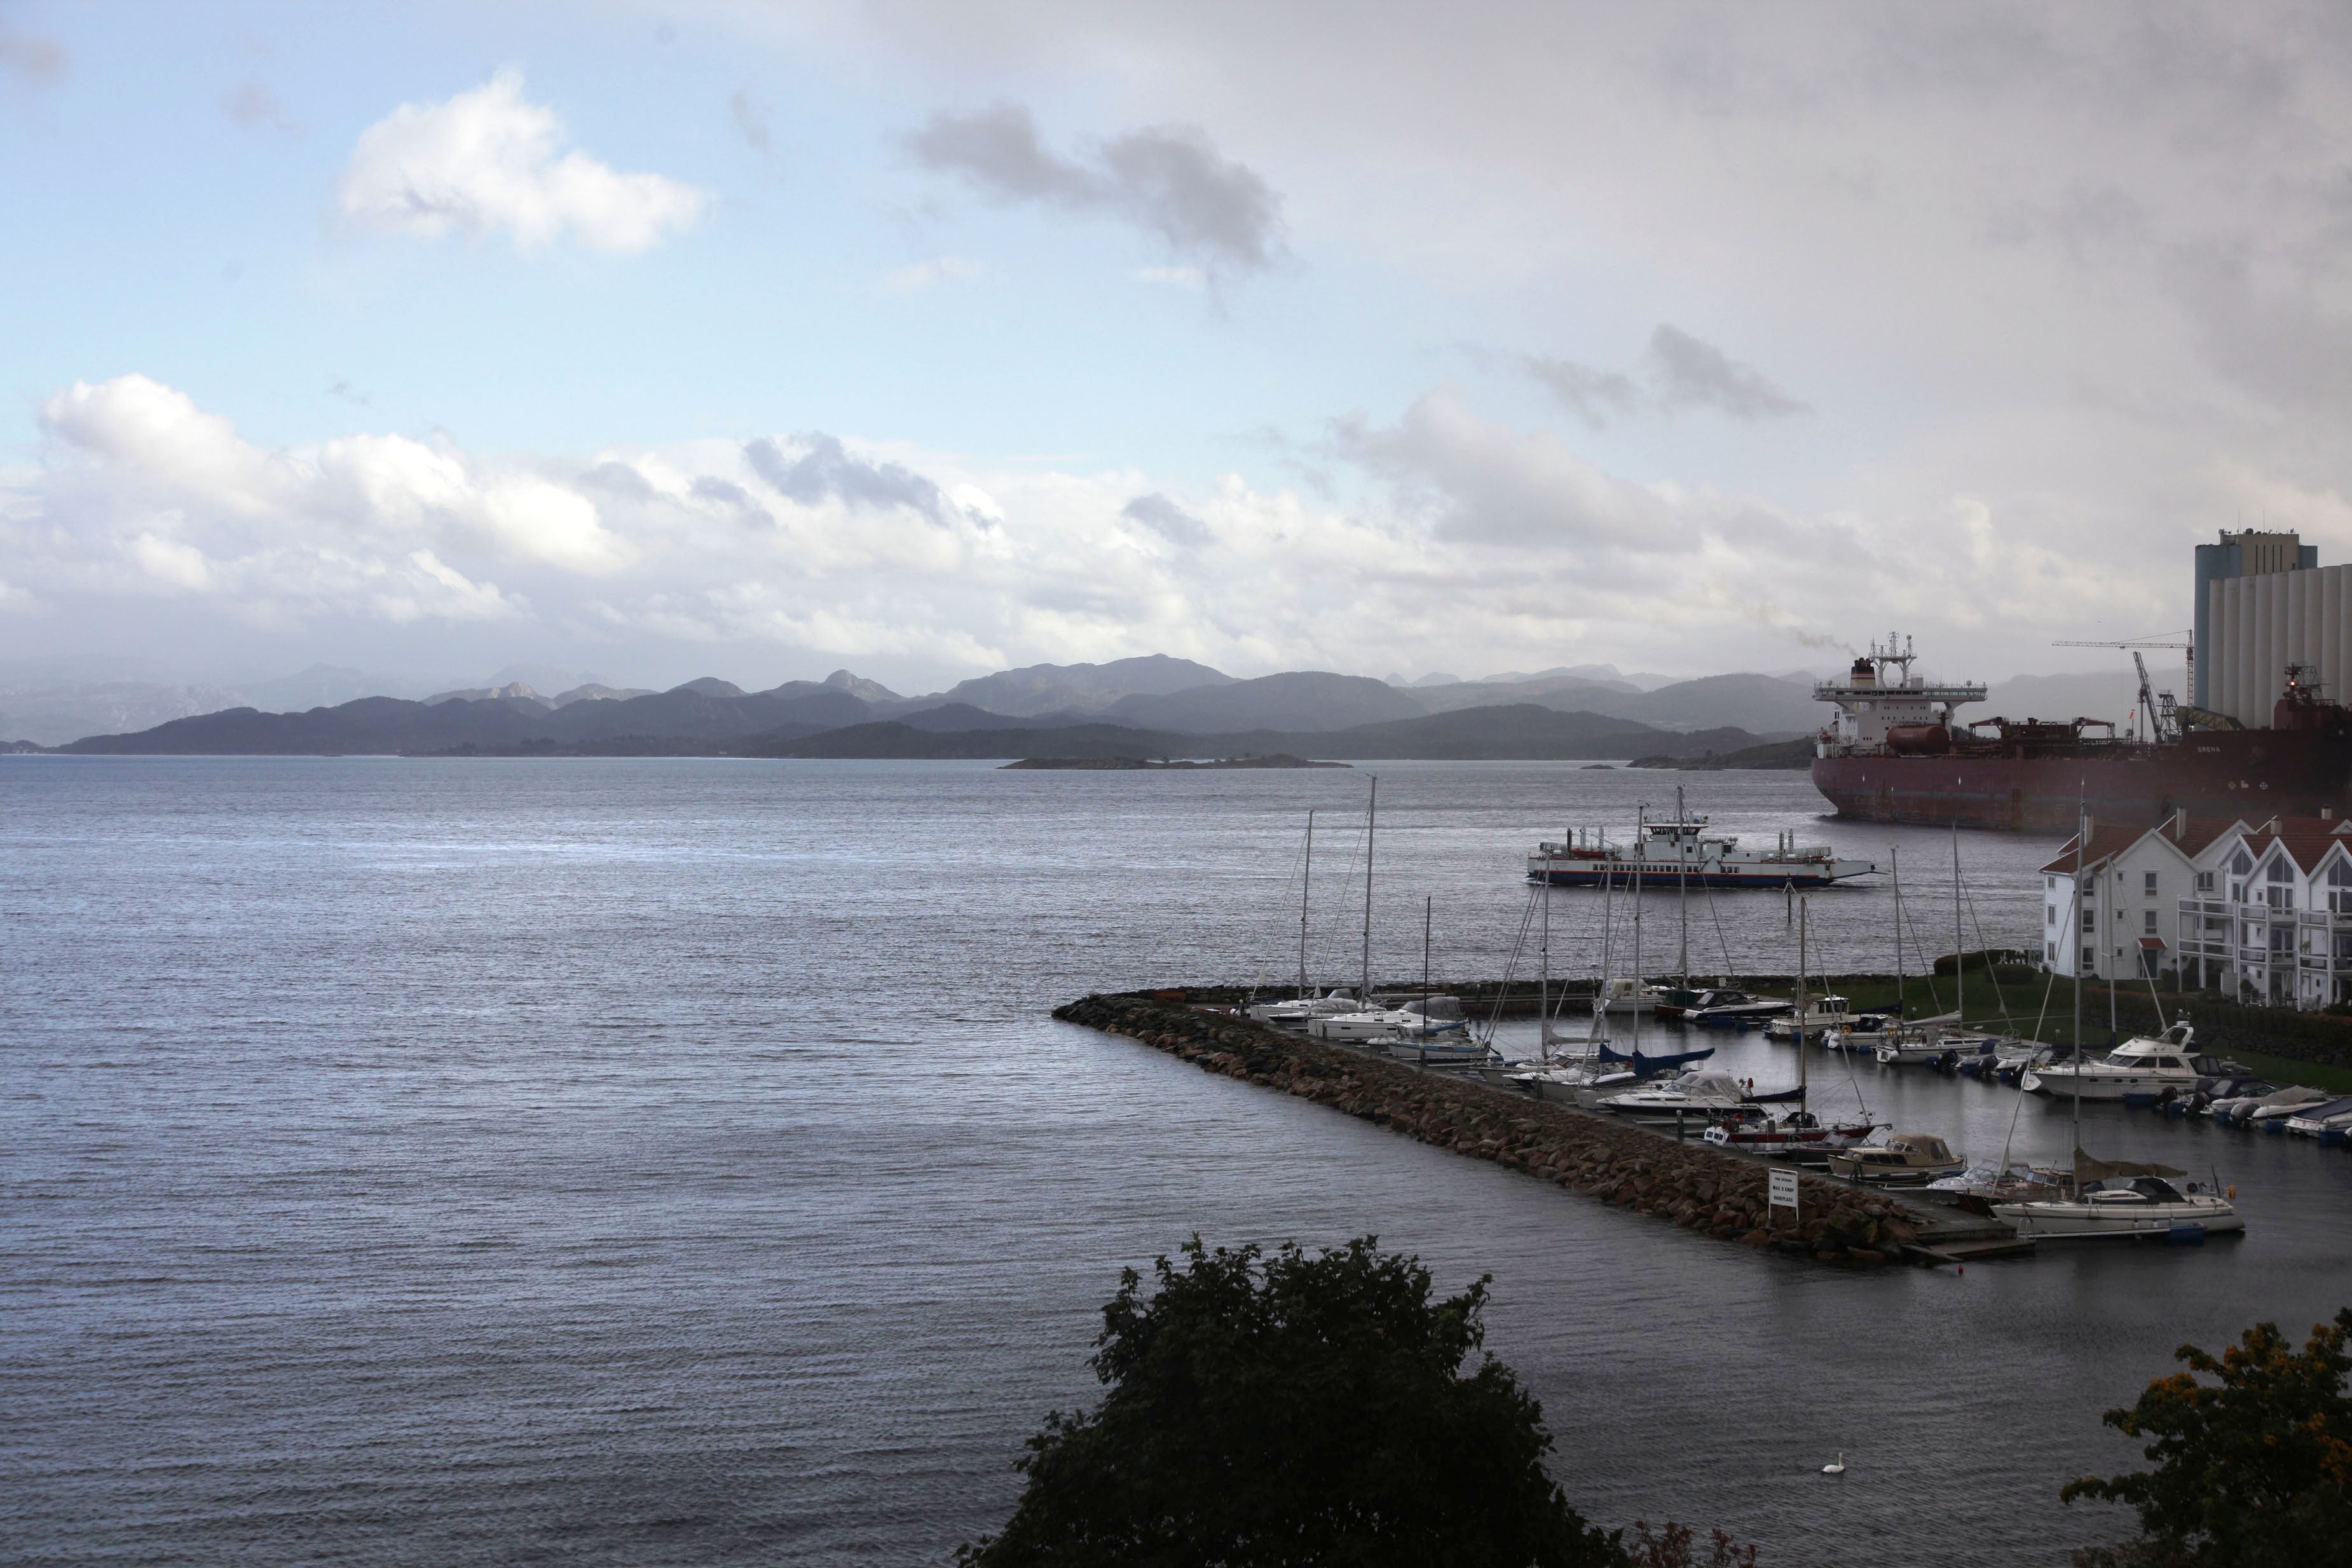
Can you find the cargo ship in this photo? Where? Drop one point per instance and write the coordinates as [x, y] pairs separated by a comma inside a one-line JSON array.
[[1896, 751]]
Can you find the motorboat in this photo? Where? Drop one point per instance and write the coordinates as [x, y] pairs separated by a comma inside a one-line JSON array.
[[2313, 1120], [1444, 1015], [2275, 1109], [1752, 1130], [2141, 1070], [1830, 1014], [1735, 1010], [1437, 1051], [1694, 1094], [2017, 1182], [1905, 1159], [1937, 1048], [1299, 1012], [2124, 1205]]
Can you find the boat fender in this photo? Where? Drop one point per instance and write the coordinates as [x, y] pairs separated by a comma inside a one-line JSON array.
[[2233, 1192]]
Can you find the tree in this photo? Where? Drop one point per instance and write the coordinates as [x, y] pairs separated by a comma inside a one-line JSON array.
[[2254, 1469], [1283, 1409]]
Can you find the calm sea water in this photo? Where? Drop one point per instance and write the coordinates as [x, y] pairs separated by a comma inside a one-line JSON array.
[[649, 1162]]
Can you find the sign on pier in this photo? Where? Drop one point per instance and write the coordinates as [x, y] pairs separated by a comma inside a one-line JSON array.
[[1783, 1194]]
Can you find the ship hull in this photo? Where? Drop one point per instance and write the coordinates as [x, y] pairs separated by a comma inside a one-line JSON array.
[[2251, 774]]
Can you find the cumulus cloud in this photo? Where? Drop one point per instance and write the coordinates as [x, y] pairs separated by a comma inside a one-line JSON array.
[[1168, 179], [1448, 533], [486, 161], [1679, 371]]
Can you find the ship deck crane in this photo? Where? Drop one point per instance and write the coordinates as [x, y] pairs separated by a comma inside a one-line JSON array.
[[2163, 721]]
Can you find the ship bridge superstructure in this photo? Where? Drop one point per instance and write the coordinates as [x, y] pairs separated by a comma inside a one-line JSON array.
[[1882, 706]]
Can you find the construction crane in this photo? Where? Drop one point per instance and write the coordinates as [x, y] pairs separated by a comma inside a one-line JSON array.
[[2163, 721]]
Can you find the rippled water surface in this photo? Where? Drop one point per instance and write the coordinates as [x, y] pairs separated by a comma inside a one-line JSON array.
[[642, 1162]]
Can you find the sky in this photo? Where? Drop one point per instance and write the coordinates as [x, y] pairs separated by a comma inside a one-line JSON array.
[[925, 340]]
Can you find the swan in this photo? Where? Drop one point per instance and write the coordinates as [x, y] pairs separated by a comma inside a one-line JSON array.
[[1838, 1468]]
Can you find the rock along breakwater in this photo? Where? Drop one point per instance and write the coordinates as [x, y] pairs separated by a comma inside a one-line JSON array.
[[1693, 1186]]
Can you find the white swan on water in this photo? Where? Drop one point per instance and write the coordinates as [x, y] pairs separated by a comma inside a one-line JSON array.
[[1838, 1468]]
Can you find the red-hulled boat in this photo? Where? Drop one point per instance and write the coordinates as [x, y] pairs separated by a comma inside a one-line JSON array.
[[1897, 753]]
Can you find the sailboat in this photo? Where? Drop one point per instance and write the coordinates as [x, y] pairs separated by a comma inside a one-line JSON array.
[[1799, 1131], [1305, 1007]]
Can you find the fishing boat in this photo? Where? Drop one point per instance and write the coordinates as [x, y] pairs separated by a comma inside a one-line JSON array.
[[1905, 1159], [2141, 1069], [1683, 852]]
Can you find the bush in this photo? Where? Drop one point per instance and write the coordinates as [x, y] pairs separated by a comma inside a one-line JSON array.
[[1288, 1410]]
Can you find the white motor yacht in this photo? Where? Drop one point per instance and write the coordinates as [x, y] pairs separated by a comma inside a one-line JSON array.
[[2140, 1068], [2124, 1205]]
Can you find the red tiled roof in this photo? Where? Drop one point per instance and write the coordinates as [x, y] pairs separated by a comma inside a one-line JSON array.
[[2193, 837], [2307, 839]]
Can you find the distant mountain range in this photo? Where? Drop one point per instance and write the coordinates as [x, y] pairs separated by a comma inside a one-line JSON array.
[[1157, 702]]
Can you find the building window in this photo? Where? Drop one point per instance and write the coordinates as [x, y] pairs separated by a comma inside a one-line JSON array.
[[2049, 884], [2050, 949], [2339, 888], [2049, 915], [2149, 884], [2242, 863], [2090, 958], [2150, 926], [2090, 920], [2204, 881]]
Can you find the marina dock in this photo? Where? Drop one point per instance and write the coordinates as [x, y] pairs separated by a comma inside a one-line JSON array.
[[1691, 1185]]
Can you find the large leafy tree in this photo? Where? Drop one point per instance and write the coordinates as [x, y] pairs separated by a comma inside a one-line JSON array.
[[2252, 1469], [1274, 1409]]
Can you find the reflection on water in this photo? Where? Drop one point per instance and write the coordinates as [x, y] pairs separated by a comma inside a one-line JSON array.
[[672, 1161]]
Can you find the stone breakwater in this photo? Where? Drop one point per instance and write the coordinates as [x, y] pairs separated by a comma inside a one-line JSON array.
[[1690, 1185]]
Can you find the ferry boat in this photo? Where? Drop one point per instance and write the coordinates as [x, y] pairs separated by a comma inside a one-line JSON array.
[[1681, 853]]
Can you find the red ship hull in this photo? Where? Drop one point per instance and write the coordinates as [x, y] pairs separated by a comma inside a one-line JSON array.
[[2254, 774]]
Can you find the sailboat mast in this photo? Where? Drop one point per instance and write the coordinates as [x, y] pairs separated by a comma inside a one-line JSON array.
[[1894, 860], [1641, 851], [1428, 911], [1682, 880], [2082, 843], [1801, 1005], [1959, 946], [1372, 821], [1305, 880], [1543, 981]]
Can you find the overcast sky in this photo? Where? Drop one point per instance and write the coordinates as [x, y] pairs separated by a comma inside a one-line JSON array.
[[758, 340]]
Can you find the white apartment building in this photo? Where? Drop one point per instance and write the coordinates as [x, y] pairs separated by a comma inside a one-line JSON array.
[[2133, 879], [2270, 922], [2262, 911]]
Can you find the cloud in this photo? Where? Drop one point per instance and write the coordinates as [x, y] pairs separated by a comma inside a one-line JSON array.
[[1678, 373], [1691, 373], [486, 161], [915, 276], [1168, 179], [32, 59], [1447, 533], [1168, 521], [1191, 278], [826, 471]]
